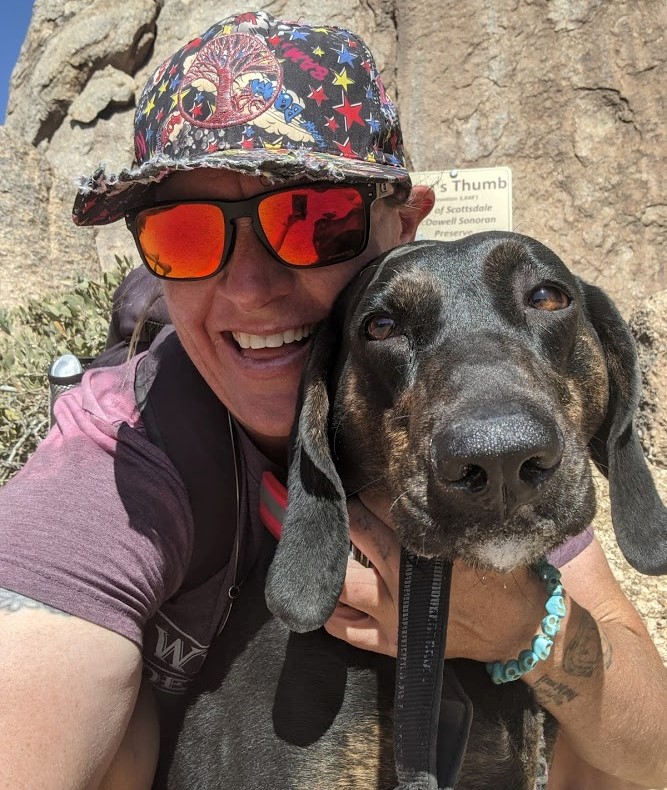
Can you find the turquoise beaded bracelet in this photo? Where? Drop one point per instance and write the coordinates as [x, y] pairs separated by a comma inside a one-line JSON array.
[[541, 645]]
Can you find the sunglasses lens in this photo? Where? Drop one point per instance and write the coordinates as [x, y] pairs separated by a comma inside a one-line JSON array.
[[182, 241], [308, 226]]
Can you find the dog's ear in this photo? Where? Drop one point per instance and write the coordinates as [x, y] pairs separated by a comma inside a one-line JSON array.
[[638, 515], [306, 576]]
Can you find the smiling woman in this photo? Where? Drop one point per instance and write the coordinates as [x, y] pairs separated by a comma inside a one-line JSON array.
[[255, 298], [270, 174]]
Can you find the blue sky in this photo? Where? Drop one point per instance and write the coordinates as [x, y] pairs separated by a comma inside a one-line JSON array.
[[13, 27]]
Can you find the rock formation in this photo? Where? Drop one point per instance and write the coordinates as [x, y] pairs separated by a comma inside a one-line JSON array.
[[568, 94]]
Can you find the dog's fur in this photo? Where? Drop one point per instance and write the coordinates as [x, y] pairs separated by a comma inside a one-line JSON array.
[[442, 381]]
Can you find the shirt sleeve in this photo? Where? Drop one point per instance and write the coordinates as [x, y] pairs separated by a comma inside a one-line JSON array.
[[98, 523]]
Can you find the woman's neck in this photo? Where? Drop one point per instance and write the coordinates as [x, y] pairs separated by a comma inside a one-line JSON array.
[[275, 448]]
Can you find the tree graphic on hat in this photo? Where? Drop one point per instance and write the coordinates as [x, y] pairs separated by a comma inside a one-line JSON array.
[[224, 76]]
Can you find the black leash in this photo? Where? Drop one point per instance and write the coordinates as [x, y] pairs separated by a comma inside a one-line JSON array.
[[429, 742]]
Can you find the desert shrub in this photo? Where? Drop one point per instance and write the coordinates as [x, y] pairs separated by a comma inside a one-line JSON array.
[[31, 337]]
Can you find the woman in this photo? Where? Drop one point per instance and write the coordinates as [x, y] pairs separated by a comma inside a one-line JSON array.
[[97, 529]]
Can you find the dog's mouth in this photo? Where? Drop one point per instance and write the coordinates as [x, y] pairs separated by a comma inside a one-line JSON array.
[[489, 526], [505, 554], [492, 544]]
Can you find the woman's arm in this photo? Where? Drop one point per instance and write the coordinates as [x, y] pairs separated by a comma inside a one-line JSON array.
[[604, 681], [68, 690]]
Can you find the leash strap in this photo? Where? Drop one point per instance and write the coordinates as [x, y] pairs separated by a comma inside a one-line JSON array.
[[424, 594], [430, 728]]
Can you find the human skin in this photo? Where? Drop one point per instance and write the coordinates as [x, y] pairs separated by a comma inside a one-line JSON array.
[[256, 295], [613, 723], [99, 729]]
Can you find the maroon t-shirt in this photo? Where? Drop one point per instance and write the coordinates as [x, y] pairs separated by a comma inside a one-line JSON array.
[[98, 524]]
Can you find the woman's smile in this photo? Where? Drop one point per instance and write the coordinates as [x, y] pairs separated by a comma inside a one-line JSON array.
[[266, 354], [248, 340]]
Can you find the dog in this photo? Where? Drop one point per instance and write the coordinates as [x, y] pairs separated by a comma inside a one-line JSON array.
[[471, 382]]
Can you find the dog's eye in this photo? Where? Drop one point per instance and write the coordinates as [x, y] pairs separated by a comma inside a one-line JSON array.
[[548, 297], [380, 327]]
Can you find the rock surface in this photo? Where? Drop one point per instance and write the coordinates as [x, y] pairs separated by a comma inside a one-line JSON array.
[[67, 43], [569, 95], [106, 89], [649, 326], [40, 249]]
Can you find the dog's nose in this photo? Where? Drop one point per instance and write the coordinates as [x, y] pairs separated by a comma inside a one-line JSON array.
[[507, 456]]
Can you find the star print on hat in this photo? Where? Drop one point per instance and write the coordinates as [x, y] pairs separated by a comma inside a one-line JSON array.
[[259, 96]]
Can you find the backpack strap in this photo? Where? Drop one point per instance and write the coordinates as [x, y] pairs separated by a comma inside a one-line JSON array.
[[188, 422]]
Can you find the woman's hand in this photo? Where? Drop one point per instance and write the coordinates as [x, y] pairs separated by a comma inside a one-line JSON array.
[[492, 616], [604, 681], [367, 612]]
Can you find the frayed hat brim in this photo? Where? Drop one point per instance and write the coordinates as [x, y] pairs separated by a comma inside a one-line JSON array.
[[104, 198]]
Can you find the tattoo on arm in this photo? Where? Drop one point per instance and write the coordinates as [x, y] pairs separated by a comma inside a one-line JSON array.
[[552, 690], [588, 648], [13, 602]]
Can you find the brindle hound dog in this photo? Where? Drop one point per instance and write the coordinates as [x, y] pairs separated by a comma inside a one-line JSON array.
[[471, 383]]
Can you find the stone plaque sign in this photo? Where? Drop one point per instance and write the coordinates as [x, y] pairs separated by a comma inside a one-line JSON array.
[[466, 201]]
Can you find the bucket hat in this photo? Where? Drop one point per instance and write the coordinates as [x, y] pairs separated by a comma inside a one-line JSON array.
[[260, 96]]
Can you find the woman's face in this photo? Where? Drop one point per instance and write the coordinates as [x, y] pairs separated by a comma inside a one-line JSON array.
[[255, 301]]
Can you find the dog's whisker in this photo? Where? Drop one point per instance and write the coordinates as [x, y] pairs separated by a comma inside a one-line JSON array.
[[366, 485], [480, 579], [407, 490], [334, 437], [398, 417]]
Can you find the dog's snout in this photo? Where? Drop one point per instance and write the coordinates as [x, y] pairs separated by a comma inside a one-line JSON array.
[[506, 457]]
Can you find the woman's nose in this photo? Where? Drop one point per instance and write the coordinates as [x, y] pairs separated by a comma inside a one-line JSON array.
[[252, 277]]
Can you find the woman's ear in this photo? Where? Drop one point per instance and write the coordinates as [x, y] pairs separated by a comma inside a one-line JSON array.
[[418, 206]]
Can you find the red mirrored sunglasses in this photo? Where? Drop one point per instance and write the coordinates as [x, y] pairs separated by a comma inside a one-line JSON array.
[[303, 227]]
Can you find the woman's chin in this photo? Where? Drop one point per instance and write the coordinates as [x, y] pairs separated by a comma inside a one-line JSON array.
[[269, 427]]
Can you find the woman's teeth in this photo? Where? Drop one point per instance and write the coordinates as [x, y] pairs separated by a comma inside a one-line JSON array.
[[272, 341]]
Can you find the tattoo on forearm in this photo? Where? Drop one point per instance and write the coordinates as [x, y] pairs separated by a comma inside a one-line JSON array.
[[552, 690], [13, 602], [588, 648]]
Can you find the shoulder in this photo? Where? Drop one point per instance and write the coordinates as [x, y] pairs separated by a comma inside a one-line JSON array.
[[98, 522]]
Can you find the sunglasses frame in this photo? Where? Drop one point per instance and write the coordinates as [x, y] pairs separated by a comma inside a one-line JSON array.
[[369, 191]]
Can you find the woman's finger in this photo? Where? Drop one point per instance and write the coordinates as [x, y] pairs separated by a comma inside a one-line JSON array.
[[376, 540], [359, 630], [364, 589]]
